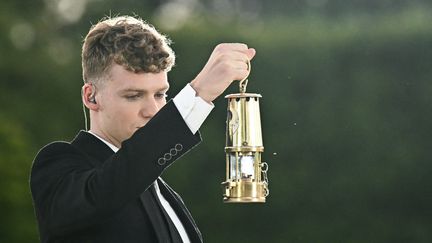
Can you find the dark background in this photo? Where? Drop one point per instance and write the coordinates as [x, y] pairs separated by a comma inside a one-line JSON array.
[[346, 111]]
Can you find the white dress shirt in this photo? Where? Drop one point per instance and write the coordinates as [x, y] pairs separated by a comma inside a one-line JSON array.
[[194, 111]]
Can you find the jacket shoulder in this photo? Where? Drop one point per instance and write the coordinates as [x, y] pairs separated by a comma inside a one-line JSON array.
[[55, 149], [55, 152]]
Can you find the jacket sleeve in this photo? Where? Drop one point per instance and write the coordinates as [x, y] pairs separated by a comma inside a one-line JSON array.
[[70, 193]]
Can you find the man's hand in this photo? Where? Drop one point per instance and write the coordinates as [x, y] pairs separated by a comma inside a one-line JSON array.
[[227, 63]]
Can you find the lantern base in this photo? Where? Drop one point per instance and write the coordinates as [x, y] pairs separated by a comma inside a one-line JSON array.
[[244, 191]]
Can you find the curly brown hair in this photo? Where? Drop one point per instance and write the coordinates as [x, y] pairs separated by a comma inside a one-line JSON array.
[[127, 41]]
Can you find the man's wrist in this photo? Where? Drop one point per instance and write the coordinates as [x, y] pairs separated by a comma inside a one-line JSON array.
[[200, 93]]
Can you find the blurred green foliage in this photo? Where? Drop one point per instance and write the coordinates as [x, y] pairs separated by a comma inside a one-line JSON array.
[[346, 115]]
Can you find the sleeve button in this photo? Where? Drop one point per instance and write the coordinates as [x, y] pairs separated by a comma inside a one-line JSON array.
[[178, 147], [167, 156], [161, 161], [173, 152]]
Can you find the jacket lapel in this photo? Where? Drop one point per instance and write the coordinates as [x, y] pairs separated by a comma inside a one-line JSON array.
[[182, 212], [153, 212]]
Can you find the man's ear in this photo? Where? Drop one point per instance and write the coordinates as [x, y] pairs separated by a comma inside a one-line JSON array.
[[88, 96]]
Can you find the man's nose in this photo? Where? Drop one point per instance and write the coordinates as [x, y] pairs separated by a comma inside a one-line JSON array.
[[150, 108]]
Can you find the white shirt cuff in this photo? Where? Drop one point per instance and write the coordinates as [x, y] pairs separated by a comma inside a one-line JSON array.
[[192, 108]]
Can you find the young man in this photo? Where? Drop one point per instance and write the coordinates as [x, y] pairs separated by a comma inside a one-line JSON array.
[[105, 185]]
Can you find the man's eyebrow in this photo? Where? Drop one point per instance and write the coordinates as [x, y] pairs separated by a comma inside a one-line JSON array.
[[132, 90], [142, 91], [166, 88]]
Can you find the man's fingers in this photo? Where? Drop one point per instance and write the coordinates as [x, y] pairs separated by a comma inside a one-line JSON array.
[[241, 65], [225, 48], [231, 47], [247, 54], [236, 55]]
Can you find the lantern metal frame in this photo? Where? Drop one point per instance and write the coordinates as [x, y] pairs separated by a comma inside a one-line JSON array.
[[246, 176]]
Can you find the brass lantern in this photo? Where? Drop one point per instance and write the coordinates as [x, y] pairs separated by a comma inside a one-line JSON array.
[[246, 176]]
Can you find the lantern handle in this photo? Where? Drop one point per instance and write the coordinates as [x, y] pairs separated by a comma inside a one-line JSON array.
[[243, 83]]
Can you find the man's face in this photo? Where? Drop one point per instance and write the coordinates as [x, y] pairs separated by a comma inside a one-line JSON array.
[[127, 101]]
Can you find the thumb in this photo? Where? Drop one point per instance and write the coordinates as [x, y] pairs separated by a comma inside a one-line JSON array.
[[251, 53]]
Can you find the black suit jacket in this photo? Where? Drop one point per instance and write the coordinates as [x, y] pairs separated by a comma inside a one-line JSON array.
[[84, 192]]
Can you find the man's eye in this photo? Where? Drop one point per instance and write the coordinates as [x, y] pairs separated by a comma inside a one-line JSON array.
[[160, 96], [132, 97]]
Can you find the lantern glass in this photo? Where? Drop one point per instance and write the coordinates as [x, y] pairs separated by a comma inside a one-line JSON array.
[[241, 167]]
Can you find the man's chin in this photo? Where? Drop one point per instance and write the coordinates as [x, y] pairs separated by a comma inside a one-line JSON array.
[[140, 126], [135, 130]]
